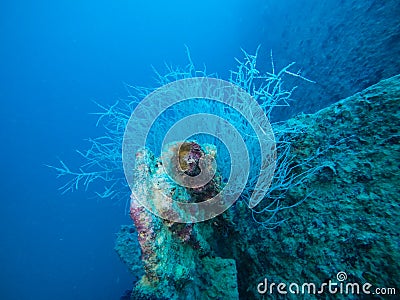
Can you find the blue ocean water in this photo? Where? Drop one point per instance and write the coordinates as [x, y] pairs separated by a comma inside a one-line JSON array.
[[56, 58]]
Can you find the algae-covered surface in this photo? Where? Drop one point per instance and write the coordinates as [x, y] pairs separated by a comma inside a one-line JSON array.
[[348, 222]]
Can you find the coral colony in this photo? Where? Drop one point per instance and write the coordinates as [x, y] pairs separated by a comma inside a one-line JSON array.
[[178, 259], [104, 161]]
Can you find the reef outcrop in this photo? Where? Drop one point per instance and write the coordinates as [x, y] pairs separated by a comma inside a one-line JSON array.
[[349, 221], [178, 261]]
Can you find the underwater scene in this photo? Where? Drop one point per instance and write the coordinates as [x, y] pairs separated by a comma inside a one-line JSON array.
[[200, 149]]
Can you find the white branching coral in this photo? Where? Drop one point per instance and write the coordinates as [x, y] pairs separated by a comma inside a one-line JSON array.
[[104, 160]]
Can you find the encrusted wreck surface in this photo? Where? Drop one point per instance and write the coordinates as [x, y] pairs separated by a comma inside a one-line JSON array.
[[177, 259], [349, 222]]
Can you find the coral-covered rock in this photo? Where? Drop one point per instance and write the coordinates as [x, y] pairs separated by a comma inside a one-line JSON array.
[[177, 259], [348, 222], [351, 218]]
